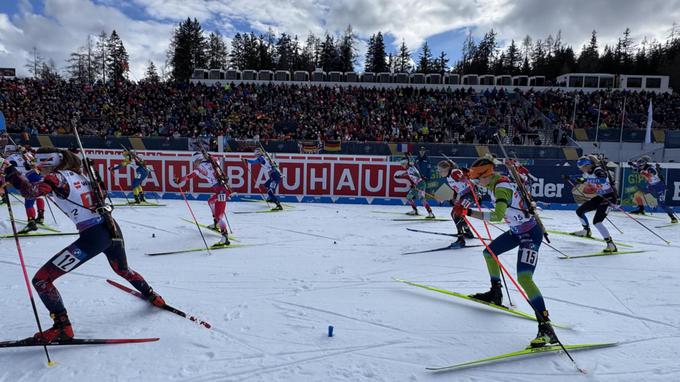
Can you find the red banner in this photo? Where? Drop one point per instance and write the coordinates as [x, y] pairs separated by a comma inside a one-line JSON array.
[[302, 175]]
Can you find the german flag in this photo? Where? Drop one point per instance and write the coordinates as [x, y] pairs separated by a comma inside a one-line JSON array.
[[309, 147], [332, 146]]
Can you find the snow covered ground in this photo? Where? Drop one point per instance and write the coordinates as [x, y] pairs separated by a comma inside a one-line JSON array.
[[317, 265]]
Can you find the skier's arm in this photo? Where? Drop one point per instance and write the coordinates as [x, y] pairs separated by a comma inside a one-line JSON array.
[[122, 164], [503, 195], [28, 189]]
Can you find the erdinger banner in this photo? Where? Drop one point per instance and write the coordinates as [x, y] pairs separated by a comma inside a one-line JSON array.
[[331, 178]]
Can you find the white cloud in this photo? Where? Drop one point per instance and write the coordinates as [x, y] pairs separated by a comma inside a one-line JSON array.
[[64, 27], [64, 24]]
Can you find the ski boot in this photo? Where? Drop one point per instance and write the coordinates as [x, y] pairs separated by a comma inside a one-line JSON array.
[[223, 242], [60, 331], [213, 226], [31, 226], [585, 232], [142, 198], [639, 211], [413, 212], [137, 201], [430, 215], [460, 243], [493, 296], [278, 207], [611, 247], [41, 217], [546, 335], [155, 299], [674, 219]]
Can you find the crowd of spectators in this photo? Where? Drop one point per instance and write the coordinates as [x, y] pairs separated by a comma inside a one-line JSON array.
[[266, 111], [558, 106]]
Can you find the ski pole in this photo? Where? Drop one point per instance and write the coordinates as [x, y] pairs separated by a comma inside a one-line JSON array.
[[207, 248], [479, 208], [123, 192], [47, 201], [544, 242], [614, 225], [539, 316], [23, 268], [640, 223]]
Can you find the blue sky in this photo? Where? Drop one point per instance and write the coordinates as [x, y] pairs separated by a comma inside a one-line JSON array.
[[58, 27]]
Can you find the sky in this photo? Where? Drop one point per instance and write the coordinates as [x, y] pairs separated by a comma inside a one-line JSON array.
[[58, 27]]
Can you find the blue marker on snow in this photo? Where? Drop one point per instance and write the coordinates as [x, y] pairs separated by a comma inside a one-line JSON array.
[[330, 330]]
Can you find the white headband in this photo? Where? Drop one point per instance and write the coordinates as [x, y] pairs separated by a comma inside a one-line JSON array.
[[49, 159]]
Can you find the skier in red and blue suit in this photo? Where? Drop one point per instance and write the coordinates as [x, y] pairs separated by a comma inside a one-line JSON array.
[[72, 193]]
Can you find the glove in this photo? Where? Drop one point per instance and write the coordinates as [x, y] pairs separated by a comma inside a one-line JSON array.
[[590, 188], [10, 168], [580, 180], [459, 210]]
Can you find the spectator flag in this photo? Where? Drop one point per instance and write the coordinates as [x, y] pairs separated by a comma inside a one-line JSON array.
[[332, 146], [3, 127], [309, 147], [648, 133]]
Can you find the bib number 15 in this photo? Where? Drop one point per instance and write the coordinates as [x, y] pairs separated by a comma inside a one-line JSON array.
[[529, 256]]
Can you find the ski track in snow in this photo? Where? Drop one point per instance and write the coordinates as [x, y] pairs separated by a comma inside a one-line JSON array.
[[317, 265]]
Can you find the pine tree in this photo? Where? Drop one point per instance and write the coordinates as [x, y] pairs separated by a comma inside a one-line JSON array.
[[588, 60], [35, 63], [403, 60], [526, 47], [441, 63], [265, 52], [296, 51], [284, 53], [251, 53], [217, 51], [379, 56], [81, 63], [538, 59], [370, 52], [484, 54], [468, 53], [513, 59], [101, 51], [236, 56], [49, 71], [608, 62], [77, 67], [187, 50], [117, 60], [329, 59], [151, 73], [425, 62], [308, 56], [347, 50]]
